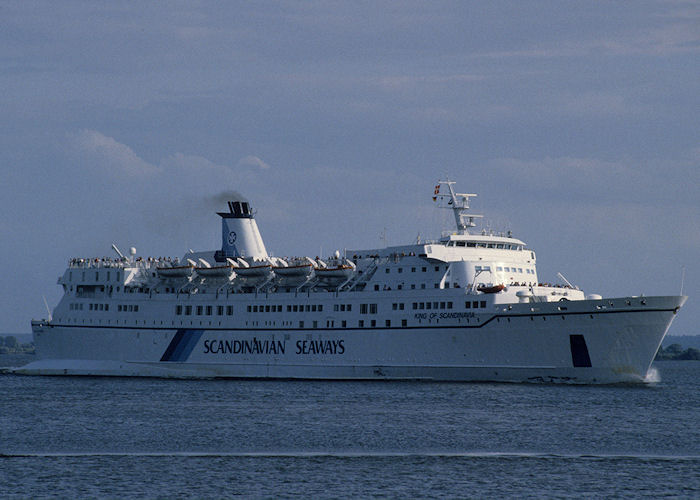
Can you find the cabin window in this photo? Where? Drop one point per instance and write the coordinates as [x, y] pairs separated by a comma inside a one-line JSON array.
[[499, 245], [461, 243], [471, 244], [499, 268]]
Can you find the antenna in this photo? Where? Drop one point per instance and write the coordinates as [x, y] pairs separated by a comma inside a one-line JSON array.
[[561, 276], [114, 247], [458, 203], [682, 279], [47, 308]]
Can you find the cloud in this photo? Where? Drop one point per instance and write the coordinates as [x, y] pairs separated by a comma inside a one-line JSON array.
[[108, 154], [253, 161]]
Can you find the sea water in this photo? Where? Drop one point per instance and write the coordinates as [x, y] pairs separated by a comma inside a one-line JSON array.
[[117, 437]]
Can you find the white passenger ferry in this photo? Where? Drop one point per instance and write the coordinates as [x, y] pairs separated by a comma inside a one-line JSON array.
[[467, 307]]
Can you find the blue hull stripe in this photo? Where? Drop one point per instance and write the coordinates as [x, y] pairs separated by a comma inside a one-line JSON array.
[[182, 345]]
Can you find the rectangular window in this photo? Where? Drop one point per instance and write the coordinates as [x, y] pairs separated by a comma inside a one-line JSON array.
[[344, 323], [428, 305], [400, 269], [401, 306], [374, 322], [449, 305], [178, 310], [289, 308], [301, 324], [361, 323], [413, 269], [188, 310], [475, 304], [435, 305], [336, 307], [387, 323], [199, 310], [363, 308], [313, 308], [442, 305], [437, 268], [315, 324], [483, 303], [136, 308], [219, 310], [415, 305], [421, 305], [423, 269], [229, 310], [296, 308], [349, 308], [404, 322], [320, 308], [373, 308], [209, 310], [467, 305], [394, 307]]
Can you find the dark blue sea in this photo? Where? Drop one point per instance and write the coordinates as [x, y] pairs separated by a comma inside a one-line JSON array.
[[147, 438]]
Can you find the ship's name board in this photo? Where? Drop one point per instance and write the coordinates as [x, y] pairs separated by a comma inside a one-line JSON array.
[[257, 346], [445, 315]]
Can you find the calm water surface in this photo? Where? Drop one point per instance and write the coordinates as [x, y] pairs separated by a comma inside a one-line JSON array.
[[116, 437]]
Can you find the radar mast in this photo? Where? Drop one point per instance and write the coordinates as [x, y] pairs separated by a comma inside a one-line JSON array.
[[457, 202]]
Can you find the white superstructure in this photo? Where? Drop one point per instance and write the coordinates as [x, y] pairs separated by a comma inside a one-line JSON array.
[[464, 307]]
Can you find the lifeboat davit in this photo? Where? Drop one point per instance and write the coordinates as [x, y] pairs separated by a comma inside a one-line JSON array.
[[491, 289]]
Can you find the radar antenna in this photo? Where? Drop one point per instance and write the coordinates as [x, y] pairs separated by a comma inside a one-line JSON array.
[[458, 203]]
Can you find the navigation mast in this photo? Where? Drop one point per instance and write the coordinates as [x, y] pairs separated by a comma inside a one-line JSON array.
[[458, 203]]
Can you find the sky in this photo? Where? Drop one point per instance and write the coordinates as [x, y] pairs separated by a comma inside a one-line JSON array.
[[577, 123]]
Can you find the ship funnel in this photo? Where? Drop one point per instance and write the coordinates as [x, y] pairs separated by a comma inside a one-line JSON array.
[[240, 236]]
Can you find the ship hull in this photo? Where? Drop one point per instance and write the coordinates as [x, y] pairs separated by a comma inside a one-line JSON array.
[[585, 342]]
